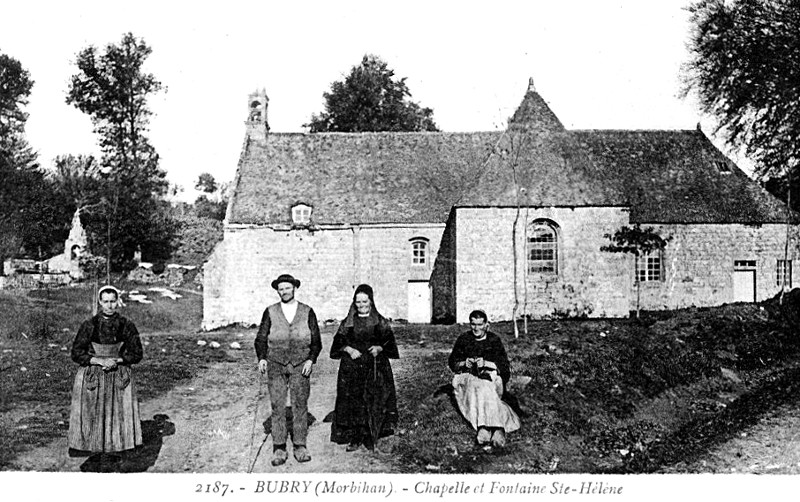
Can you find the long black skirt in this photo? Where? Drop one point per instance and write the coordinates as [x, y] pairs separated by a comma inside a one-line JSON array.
[[365, 399]]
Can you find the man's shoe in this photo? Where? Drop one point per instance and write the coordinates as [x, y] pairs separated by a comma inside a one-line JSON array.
[[484, 436], [499, 438], [279, 457], [301, 454]]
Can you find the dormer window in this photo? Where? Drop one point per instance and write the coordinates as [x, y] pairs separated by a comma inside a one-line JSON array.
[[301, 214], [723, 166]]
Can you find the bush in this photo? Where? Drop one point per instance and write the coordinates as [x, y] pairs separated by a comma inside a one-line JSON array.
[[196, 239]]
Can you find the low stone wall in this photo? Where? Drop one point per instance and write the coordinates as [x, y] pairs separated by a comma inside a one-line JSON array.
[[33, 281]]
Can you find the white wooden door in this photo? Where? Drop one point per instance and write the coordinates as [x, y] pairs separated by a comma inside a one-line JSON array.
[[744, 285], [419, 301]]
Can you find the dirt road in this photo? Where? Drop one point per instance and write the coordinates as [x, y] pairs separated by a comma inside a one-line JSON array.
[[214, 423]]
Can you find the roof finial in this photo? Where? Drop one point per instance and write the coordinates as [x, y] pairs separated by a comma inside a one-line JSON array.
[[531, 87]]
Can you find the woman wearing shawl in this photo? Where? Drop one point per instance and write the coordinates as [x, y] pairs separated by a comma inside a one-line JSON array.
[[482, 371], [366, 403], [104, 416]]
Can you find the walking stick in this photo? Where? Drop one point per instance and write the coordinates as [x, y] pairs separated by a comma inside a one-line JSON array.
[[255, 420]]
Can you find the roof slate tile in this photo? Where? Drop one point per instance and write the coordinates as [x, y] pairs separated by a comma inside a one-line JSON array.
[[392, 177]]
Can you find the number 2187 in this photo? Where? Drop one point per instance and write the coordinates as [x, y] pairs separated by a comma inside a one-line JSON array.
[[218, 487]]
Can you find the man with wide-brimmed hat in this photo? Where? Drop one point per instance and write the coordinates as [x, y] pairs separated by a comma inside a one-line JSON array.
[[287, 345]]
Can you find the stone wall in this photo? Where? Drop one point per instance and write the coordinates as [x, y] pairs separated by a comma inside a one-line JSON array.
[[34, 281], [698, 263], [329, 263], [589, 283]]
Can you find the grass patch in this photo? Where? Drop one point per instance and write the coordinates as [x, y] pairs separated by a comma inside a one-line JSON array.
[[36, 372], [604, 396], [608, 396]]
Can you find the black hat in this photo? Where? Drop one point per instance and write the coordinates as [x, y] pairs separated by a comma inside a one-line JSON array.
[[285, 278]]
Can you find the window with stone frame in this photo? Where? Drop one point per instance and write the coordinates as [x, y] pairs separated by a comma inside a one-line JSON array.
[[542, 249], [301, 214], [783, 273], [648, 267], [419, 251]]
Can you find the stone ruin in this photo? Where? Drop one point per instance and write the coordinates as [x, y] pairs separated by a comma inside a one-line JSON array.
[[75, 246], [59, 270], [173, 274]]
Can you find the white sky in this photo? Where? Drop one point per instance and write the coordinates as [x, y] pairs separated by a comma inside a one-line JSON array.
[[600, 64]]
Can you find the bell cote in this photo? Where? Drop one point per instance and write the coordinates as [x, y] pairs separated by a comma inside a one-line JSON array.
[[257, 125]]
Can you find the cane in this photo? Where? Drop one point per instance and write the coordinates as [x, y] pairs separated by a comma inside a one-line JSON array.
[[255, 420]]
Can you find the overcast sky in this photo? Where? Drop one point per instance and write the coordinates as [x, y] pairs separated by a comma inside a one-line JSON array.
[[600, 64]]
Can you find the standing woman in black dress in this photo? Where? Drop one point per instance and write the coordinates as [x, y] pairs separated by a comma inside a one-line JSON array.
[[104, 416], [366, 402]]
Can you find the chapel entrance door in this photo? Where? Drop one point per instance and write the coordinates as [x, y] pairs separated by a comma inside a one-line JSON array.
[[419, 301]]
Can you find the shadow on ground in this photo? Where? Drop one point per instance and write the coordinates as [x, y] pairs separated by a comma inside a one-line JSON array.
[[138, 460], [289, 422]]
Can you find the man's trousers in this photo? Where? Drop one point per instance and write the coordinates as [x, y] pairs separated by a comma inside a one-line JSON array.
[[283, 377]]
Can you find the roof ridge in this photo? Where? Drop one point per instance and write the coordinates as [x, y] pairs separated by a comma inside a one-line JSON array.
[[636, 130], [383, 133]]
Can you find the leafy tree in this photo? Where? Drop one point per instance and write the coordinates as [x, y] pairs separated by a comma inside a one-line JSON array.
[[213, 202], [745, 70], [637, 241], [32, 215], [112, 87], [212, 209], [10, 241], [78, 177], [197, 238], [371, 99], [15, 88], [206, 183]]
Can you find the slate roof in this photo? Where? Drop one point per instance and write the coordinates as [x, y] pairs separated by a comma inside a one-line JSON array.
[[357, 177], [675, 177], [545, 162], [390, 177]]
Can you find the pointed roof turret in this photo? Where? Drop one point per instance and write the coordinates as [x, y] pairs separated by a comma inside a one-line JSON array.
[[533, 113], [539, 163]]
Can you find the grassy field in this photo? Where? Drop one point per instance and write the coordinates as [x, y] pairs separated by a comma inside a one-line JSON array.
[[36, 372], [602, 396], [611, 396]]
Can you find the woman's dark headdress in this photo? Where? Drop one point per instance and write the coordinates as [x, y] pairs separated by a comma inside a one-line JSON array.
[[374, 315]]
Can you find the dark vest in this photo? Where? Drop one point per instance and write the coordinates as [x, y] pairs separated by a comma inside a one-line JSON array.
[[288, 343]]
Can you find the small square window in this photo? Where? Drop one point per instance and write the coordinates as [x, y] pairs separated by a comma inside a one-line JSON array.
[[301, 214]]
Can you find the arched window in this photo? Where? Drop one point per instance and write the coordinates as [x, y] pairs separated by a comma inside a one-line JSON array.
[[542, 248], [419, 251]]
